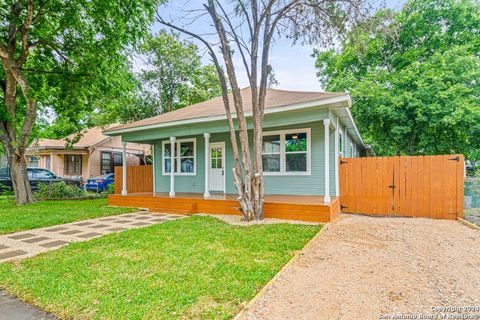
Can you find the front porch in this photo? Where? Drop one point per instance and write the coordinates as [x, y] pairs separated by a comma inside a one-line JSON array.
[[289, 207]]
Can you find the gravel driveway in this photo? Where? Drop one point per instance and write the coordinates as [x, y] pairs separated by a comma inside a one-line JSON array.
[[363, 267]]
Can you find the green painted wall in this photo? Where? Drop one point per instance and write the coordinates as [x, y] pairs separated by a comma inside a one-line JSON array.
[[271, 120], [312, 184]]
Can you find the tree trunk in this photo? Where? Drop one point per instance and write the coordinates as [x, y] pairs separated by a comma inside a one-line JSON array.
[[20, 182]]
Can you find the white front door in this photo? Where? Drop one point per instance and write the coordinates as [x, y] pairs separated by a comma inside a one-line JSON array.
[[217, 166]]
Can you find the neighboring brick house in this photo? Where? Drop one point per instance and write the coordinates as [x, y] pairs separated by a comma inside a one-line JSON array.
[[93, 155]]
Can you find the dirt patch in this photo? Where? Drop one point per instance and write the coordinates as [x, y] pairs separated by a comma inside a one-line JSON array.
[[362, 267], [237, 220]]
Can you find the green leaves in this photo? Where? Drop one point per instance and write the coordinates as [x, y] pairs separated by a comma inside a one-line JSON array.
[[414, 78], [78, 55], [173, 77]]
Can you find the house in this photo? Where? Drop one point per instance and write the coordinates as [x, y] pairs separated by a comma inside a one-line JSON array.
[[94, 154], [305, 133]]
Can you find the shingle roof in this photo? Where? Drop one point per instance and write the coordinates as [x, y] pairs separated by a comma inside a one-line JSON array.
[[214, 107], [89, 138]]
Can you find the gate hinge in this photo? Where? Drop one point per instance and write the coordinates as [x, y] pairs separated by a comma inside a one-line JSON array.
[[455, 159], [343, 161], [392, 186], [343, 207]]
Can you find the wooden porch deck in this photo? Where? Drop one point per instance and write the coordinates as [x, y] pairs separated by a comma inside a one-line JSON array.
[[289, 207]]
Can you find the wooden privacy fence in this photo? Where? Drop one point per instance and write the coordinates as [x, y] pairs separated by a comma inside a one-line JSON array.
[[413, 186], [139, 179]]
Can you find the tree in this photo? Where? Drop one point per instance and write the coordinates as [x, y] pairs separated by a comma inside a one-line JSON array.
[[414, 78], [172, 77], [62, 55], [175, 73], [248, 28]]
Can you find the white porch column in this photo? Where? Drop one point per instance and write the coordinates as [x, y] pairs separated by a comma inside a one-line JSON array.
[[326, 124], [337, 172], [124, 168], [153, 169], [172, 166], [206, 194]]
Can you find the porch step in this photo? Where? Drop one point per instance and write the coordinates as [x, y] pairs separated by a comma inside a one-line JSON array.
[[174, 207]]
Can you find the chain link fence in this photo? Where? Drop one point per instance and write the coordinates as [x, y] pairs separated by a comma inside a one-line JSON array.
[[472, 199]]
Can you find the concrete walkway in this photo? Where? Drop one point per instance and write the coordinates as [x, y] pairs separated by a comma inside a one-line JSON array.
[[29, 243], [11, 308]]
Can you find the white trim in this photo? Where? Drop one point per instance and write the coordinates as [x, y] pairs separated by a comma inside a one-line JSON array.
[[124, 168], [173, 145], [326, 124], [153, 169], [206, 193], [222, 143], [303, 105], [351, 150], [342, 151], [337, 159], [282, 134], [355, 127], [177, 142]]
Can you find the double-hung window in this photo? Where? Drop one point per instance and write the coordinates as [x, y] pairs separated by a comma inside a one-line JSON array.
[[73, 164], [33, 161], [184, 159], [110, 160], [286, 152]]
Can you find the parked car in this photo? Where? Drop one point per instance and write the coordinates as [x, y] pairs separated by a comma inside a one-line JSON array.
[[36, 176], [471, 167], [100, 183]]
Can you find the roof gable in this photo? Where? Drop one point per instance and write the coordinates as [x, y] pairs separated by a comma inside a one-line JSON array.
[[89, 137], [215, 107]]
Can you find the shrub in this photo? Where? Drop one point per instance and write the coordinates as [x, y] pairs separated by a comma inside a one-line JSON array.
[[60, 190], [110, 189]]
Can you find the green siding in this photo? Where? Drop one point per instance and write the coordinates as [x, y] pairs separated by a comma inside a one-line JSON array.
[[298, 117], [312, 184]]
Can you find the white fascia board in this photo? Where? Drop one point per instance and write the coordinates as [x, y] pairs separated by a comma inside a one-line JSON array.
[[297, 106], [350, 117]]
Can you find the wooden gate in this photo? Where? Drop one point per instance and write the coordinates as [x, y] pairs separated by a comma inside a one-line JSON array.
[[413, 186]]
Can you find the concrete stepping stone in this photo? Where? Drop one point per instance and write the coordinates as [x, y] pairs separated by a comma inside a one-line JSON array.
[[22, 236], [89, 235], [27, 244], [141, 224], [56, 229], [98, 226], [11, 254], [70, 232], [84, 224], [53, 244], [35, 240], [117, 229]]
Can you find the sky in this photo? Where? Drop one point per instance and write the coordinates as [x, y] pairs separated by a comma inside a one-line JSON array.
[[293, 65]]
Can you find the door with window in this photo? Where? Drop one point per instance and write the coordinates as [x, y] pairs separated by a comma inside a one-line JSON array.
[[217, 167], [48, 162]]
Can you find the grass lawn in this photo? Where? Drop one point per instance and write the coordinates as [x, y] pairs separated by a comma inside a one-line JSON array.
[[47, 213], [192, 268]]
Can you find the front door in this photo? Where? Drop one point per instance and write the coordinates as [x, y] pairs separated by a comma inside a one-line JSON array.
[[217, 166], [48, 162]]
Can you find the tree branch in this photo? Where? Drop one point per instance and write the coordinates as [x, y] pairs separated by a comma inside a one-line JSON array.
[[237, 40], [24, 34]]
